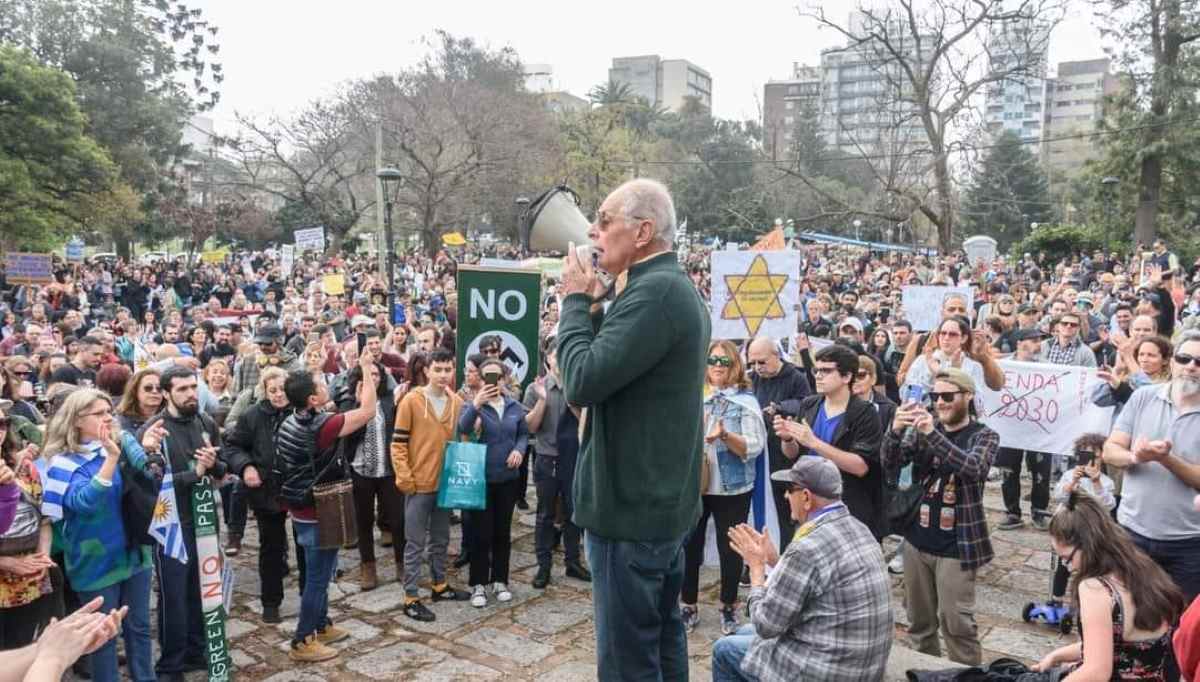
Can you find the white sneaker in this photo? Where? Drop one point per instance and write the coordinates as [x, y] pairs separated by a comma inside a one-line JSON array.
[[501, 592], [896, 565], [478, 597]]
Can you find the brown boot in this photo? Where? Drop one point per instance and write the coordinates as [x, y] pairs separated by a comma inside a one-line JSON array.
[[368, 579]]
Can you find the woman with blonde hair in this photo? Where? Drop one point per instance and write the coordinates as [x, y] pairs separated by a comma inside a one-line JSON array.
[[735, 436], [84, 485]]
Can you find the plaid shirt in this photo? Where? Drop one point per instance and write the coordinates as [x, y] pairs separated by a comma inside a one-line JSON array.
[[971, 467], [825, 612], [1058, 354]]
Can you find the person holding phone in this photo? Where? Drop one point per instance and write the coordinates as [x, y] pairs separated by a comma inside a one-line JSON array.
[[500, 423]]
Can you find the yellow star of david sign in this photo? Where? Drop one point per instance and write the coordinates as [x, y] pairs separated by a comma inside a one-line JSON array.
[[754, 296]]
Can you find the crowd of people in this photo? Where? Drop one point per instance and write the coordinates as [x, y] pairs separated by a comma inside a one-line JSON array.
[[639, 431]]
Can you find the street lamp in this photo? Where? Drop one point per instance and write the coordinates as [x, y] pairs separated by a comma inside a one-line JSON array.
[[857, 228], [1109, 186], [390, 177]]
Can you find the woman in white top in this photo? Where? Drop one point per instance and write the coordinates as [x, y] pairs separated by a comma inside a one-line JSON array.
[[735, 437], [950, 347]]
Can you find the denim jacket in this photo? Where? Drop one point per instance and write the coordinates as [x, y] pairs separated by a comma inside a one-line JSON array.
[[740, 412]]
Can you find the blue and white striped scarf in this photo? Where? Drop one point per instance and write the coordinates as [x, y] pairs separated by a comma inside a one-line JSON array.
[[58, 477]]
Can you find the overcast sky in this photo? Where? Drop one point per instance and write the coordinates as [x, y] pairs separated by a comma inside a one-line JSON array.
[[278, 55]]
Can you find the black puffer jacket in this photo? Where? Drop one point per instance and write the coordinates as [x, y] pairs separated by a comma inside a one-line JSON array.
[[251, 442], [297, 461]]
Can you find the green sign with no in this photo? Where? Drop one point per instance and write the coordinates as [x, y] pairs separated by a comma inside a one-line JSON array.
[[503, 303]]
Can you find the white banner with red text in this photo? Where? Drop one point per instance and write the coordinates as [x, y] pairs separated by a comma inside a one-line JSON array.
[[1044, 408]]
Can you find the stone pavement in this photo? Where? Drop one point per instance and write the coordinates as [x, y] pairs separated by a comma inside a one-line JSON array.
[[547, 635]]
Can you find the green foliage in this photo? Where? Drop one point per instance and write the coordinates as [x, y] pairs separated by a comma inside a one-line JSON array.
[[1062, 241], [1007, 193], [48, 165]]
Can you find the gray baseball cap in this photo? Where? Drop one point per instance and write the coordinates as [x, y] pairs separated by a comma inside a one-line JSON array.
[[816, 474]]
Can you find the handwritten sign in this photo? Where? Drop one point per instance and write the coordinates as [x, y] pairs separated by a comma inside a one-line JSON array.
[[214, 257], [287, 259], [310, 238], [333, 285], [29, 268], [754, 293], [923, 304], [1044, 408]]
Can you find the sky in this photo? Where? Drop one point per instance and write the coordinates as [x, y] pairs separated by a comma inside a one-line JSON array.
[[279, 55]]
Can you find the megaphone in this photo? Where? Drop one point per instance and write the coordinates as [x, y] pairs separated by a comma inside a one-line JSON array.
[[553, 221]]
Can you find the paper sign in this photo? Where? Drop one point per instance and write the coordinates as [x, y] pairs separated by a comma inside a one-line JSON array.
[[923, 304], [333, 285], [214, 257], [754, 293], [310, 238], [29, 268], [1044, 408], [287, 259], [74, 250]]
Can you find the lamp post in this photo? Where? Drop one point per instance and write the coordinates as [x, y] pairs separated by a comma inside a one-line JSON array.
[[857, 229], [390, 178], [1109, 186]]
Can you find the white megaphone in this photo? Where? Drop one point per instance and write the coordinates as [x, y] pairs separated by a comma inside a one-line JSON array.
[[553, 222]]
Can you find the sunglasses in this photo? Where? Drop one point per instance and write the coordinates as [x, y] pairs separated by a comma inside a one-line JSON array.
[[1184, 359], [1068, 324], [862, 374], [943, 396], [719, 361], [152, 388]]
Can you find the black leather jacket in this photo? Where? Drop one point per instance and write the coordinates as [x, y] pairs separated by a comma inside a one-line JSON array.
[[251, 442]]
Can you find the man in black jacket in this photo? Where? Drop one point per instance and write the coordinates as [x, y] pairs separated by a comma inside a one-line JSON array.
[[779, 387], [190, 448], [842, 428]]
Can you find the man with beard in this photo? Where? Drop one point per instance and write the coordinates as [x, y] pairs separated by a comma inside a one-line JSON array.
[[220, 348], [245, 375], [947, 540], [1156, 440], [81, 371], [190, 449]]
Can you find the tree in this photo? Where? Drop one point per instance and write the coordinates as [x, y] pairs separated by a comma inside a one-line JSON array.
[[933, 63], [597, 153], [49, 167], [1161, 58], [1006, 193], [611, 92]]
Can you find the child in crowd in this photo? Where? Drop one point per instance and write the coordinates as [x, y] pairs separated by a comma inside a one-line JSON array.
[[1086, 476]]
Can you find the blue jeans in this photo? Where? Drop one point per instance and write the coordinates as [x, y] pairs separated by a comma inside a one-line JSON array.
[[635, 599], [727, 655], [320, 565], [1179, 558], [134, 592]]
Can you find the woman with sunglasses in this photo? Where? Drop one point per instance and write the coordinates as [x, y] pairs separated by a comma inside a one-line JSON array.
[[17, 384], [1153, 357], [951, 346], [84, 485], [26, 591], [141, 401], [1125, 632], [735, 436]]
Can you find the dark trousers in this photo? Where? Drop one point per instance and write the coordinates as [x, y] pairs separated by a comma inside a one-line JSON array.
[[233, 506], [783, 512], [21, 625], [272, 555], [525, 473], [391, 504], [726, 511], [553, 477], [1179, 558], [1038, 463], [492, 530], [635, 600], [180, 614]]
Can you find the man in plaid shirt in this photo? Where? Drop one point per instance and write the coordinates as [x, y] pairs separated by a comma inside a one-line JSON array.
[[947, 539], [825, 613]]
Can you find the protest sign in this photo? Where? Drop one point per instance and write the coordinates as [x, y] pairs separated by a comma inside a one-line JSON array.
[[214, 257], [923, 304], [1044, 408], [213, 583], [310, 239], [74, 250], [500, 302], [754, 293], [287, 259], [29, 268], [333, 285]]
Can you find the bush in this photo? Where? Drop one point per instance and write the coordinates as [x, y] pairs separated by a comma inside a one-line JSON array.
[[1063, 241]]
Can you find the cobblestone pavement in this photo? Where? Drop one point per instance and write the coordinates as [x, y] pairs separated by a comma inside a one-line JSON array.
[[547, 635]]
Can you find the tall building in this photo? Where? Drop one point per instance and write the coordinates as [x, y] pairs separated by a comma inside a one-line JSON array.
[[785, 104], [1017, 105], [663, 82], [1074, 105]]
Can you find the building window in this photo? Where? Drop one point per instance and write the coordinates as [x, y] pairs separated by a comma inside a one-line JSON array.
[[789, 120], [789, 105], [793, 90]]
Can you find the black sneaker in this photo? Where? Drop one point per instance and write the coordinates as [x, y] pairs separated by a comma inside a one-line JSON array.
[[271, 615], [744, 581], [418, 611], [451, 594], [691, 617], [577, 571], [729, 621], [542, 579], [1011, 522], [462, 560], [522, 504]]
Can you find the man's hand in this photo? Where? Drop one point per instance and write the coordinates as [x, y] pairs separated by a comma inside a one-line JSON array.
[[755, 548], [578, 276], [251, 478], [923, 421], [906, 416], [81, 633], [514, 459], [206, 458], [1150, 450], [153, 438], [802, 342]]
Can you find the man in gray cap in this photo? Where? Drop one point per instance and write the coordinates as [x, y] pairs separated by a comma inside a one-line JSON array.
[[826, 614], [271, 353]]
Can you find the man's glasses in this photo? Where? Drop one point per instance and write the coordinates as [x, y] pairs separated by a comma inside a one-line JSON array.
[[1068, 323], [719, 361], [756, 363], [1184, 359], [943, 396], [822, 371]]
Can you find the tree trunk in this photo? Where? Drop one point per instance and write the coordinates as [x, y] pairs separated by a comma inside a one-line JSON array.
[[335, 242], [945, 222], [1149, 190]]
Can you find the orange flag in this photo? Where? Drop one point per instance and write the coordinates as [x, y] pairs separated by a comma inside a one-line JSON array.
[[771, 241]]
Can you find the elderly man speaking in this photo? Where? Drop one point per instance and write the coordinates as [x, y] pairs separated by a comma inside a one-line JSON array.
[[639, 368]]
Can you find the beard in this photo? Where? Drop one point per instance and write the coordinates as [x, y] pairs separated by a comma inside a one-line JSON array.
[[1188, 387], [188, 409]]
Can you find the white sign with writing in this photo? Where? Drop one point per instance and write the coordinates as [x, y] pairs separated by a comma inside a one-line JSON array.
[[287, 259], [755, 293], [922, 305], [310, 239], [1044, 408]]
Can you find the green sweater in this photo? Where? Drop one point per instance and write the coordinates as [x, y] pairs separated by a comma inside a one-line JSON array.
[[639, 369]]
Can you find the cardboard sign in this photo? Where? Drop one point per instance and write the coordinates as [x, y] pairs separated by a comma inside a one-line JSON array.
[[29, 268], [310, 238], [1044, 408], [923, 304]]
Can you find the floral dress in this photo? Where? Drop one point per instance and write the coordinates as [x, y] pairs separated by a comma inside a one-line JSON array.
[[19, 590], [1137, 660]]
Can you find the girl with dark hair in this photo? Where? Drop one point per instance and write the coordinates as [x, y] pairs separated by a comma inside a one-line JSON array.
[[950, 345], [1125, 633]]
